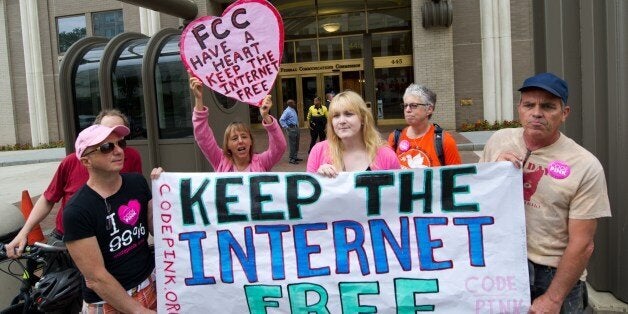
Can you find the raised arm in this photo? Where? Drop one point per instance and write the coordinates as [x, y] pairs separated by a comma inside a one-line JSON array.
[[197, 89], [264, 109], [203, 134], [276, 140]]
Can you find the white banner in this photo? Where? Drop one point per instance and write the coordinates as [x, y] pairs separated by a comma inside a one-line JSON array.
[[447, 240]]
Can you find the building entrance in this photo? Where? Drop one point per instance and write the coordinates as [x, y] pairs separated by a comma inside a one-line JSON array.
[[305, 81], [304, 88]]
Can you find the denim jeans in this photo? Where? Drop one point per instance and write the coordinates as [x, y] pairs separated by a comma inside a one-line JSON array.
[[540, 278]]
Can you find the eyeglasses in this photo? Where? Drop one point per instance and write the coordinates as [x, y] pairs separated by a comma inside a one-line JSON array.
[[108, 147], [413, 106]]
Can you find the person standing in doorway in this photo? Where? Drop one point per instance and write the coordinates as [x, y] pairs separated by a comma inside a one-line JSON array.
[[317, 118], [290, 122]]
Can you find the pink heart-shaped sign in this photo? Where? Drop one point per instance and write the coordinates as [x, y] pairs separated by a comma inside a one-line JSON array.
[[130, 213], [238, 54]]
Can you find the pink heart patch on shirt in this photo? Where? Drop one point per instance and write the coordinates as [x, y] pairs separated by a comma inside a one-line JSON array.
[[130, 213]]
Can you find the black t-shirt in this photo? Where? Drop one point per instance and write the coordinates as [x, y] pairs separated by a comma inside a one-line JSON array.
[[120, 224]]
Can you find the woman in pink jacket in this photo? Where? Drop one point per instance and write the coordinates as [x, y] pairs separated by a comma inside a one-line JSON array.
[[353, 142], [236, 153]]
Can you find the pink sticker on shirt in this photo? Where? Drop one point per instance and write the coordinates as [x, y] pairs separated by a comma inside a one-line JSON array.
[[558, 169], [129, 213], [404, 145]]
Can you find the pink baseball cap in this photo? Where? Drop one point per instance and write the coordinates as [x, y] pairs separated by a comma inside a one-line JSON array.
[[94, 135]]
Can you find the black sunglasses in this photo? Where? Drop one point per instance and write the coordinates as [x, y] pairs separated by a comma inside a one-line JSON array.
[[108, 147]]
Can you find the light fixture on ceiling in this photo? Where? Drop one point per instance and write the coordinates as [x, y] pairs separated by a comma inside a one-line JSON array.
[[331, 27]]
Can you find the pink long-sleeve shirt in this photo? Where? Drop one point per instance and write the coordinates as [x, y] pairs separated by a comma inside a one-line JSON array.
[[261, 162]]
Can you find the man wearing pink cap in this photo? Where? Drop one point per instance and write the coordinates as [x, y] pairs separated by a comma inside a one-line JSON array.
[[106, 227], [68, 178]]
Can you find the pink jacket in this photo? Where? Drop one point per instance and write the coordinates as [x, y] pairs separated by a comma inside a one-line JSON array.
[[385, 158], [259, 163]]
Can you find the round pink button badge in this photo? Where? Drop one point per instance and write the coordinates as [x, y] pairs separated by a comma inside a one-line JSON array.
[[404, 145], [558, 169]]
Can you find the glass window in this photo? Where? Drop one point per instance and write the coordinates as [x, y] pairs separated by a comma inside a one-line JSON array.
[[299, 27], [355, 21], [288, 52], [337, 6], [382, 4], [86, 91], [331, 48], [389, 19], [332, 84], [392, 44], [342, 23], [69, 30], [127, 86], [174, 113], [288, 8], [307, 50], [309, 87], [288, 89], [353, 47], [107, 24], [391, 83]]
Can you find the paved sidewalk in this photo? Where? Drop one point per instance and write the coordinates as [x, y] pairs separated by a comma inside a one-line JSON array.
[[33, 156]]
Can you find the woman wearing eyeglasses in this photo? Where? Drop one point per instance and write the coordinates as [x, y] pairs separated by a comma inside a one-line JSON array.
[[236, 153], [421, 143], [353, 144], [68, 178]]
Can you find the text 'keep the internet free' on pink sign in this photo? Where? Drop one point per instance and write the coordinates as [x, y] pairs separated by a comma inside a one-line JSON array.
[[237, 54]]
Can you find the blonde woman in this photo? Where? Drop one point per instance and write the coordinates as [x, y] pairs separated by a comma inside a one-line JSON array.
[[353, 142], [236, 153]]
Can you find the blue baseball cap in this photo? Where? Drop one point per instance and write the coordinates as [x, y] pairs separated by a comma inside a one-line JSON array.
[[548, 82]]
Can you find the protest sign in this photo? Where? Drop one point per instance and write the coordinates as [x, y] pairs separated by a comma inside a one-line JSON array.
[[237, 54], [447, 240]]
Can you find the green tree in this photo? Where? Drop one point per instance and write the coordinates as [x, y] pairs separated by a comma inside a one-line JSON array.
[[66, 39]]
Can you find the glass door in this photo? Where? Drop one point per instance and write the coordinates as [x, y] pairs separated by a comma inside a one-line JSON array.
[[331, 83], [287, 90], [309, 90]]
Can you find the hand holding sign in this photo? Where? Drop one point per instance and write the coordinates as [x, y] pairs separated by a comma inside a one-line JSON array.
[[196, 86], [237, 54], [264, 109]]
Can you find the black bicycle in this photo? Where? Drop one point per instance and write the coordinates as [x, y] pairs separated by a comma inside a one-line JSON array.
[[50, 283]]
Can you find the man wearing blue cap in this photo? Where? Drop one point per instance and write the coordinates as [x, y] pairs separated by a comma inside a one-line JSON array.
[[564, 192]]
